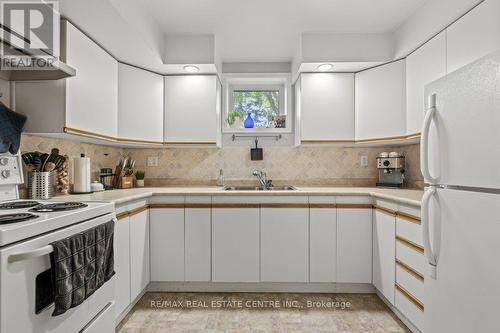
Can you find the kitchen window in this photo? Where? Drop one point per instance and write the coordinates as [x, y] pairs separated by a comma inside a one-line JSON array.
[[256, 105]]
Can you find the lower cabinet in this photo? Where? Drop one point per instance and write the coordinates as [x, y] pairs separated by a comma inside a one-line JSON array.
[[139, 253], [122, 265], [167, 244], [197, 240], [354, 245], [235, 244], [284, 244], [323, 244], [384, 253]]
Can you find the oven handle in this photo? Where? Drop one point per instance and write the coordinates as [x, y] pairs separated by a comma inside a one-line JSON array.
[[36, 252], [31, 254]]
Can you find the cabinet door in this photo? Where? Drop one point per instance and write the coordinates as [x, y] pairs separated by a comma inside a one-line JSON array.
[[167, 244], [140, 104], [381, 101], [327, 106], [384, 253], [92, 95], [473, 36], [423, 66], [354, 245], [284, 244], [197, 244], [139, 253], [191, 109], [323, 244], [122, 265], [235, 244]]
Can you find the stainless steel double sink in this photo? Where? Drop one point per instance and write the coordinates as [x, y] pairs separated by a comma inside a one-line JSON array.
[[257, 188]]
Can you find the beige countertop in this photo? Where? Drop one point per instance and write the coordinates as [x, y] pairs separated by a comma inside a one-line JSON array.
[[404, 196]]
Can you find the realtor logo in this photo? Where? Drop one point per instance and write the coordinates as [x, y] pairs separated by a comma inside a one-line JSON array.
[[29, 34]]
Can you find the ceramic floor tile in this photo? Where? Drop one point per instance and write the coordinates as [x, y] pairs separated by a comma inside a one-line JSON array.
[[250, 313]]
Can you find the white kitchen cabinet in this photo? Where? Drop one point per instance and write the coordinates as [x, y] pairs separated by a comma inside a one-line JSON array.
[[354, 245], [323, 244], [92, 95], [380, 105], [423, 66], [139, 253], [235, 244], [122, 265], [284, 244], [197, 240], [474, 35], [140, 104], [86, 102], [384, 253], [167, 244], [192, 109], [326, 109]]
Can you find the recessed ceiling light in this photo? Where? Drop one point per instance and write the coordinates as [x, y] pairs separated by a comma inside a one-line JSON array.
[[191, 69], [324, 67]]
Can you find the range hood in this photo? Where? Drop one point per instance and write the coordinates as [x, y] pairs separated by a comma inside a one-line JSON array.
[[24, 61]]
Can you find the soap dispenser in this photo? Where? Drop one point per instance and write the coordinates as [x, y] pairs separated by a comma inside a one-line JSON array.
[[220, 180]]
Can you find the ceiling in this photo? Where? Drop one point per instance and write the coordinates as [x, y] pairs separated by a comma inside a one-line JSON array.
[[269, 30], [245, 31]]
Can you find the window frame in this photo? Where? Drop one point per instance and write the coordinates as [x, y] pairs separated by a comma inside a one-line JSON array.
[[281, 83]]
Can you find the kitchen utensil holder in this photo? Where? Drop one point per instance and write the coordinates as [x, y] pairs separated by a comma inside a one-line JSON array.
[[40, 185]]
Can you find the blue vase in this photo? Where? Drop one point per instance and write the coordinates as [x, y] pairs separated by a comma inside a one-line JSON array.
[[248, 121]]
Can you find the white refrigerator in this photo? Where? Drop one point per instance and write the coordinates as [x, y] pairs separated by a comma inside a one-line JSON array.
[[460, 159]]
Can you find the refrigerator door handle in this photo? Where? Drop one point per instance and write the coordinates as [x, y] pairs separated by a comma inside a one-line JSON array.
[[431, 258], [424, 144]]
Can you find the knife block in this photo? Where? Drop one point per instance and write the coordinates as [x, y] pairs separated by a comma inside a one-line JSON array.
[[122, 181], [126, 182]]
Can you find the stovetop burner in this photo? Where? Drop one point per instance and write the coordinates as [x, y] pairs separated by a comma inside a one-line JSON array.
[[13, 218], [19, 204], [58, 206]]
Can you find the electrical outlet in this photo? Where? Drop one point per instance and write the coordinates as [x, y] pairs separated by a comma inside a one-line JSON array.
[[364, 161], [152, 161]]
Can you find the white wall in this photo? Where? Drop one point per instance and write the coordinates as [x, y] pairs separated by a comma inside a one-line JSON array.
[[5, 92], [430, 19]]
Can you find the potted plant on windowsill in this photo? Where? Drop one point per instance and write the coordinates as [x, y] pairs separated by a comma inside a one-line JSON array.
[[234, 119], [139, 178]]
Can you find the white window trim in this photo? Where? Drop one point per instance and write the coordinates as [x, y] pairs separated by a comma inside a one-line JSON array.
[[279, 82]]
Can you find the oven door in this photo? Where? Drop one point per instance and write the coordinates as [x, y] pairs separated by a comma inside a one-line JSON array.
[[25, 289]]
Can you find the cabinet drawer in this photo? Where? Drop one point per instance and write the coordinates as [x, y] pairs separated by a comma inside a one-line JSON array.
[[409, 309], [410, 280], [410, 256], [410, 230]]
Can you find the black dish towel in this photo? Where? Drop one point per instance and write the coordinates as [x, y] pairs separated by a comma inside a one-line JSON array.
[[11, 126], [81, 264]]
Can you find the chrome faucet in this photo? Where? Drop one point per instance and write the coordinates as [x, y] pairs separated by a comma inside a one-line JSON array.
[[261, 175]]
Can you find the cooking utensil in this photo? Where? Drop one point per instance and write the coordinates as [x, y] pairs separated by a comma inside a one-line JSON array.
[[256, 154]]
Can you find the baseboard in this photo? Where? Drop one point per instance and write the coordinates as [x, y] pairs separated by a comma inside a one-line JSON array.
[[278, 287], [398, 314], [125, 312]]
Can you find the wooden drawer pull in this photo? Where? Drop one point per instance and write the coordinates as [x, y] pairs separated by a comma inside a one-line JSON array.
[[410, 244], [410, 297], [410, 270]]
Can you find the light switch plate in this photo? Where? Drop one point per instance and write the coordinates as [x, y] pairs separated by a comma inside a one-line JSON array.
[[364, 161], [152, 161]]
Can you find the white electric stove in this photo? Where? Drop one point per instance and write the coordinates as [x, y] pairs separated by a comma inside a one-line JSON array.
[[27, 228]]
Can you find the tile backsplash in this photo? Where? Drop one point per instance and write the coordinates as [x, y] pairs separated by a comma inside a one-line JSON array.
[[314, 166]]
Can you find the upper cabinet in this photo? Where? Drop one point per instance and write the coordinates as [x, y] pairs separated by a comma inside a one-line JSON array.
[[425, 65], [140, 105], [85, 103], [325, 107], [192, 109], [91, 96], [381, 102], [474, 35]]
